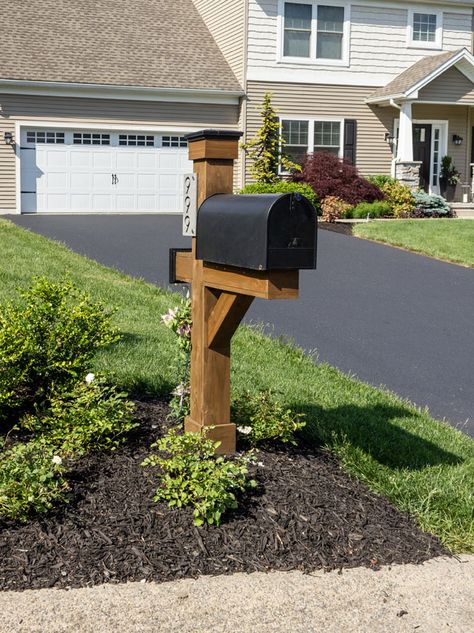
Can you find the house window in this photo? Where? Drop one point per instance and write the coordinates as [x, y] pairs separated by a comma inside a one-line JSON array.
[[308, 136], [137, 140], [45, 137], [425, 29], [327, 137], [330, 32], [89, 138], [297, 38], [174, 141], [314, 32], [295, 135]]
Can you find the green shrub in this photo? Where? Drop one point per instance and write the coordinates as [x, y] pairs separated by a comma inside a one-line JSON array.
[[431, 204], [378, 209], [399, 197], [381, 179], [260, 417], [48, 341], [31, 480], [193, 476], [284, 186], [90, 416]]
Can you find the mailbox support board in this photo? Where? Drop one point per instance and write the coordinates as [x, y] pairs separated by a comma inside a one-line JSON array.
[[220, 297]]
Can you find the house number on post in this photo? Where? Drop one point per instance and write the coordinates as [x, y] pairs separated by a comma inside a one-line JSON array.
[[190, 205]]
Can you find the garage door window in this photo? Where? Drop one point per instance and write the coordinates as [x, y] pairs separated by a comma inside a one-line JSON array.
[[90, 139], [137, 140], [45, 137], [174, 141]]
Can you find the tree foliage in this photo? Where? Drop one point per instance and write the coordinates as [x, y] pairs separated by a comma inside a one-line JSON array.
[[265, 148]]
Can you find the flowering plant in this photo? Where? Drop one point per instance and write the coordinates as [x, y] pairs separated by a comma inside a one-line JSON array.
[[179, 320]]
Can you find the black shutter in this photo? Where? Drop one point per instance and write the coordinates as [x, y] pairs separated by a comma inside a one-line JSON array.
[[350, 137]]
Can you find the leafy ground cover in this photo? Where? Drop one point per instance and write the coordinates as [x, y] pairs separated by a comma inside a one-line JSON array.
[[444, 239], [424, 467]]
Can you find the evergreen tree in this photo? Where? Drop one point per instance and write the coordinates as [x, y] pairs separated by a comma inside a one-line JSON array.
[[265, 148]]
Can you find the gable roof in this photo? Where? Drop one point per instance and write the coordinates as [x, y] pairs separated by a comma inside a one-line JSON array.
[[421, 74], [140, 43]]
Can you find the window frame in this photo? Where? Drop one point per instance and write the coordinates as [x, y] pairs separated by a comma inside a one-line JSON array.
[[312, 59], [427, 10], [311, 121]]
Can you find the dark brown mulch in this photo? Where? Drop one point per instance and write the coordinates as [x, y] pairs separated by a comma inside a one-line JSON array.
[[337, 227], [307, 514]]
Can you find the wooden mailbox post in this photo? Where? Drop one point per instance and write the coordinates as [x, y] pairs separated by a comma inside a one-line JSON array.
[[221, 295]]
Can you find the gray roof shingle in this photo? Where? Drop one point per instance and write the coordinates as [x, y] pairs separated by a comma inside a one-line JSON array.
[[413, 75], [143, 43]]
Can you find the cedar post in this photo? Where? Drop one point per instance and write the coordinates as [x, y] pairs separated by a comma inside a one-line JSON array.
[[216, 314]]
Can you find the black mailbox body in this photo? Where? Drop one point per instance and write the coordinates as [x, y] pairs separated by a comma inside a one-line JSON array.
[[259, 232]]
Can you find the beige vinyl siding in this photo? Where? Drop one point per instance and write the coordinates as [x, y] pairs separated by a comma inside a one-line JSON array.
[[98, 111], [373, 155], [451, 87], [225, 20], [7, 169], [378, 44]]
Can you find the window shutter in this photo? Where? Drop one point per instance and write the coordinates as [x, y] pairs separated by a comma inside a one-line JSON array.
[[350, 136]]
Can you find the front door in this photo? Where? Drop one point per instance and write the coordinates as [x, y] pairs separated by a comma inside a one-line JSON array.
[[422, 151]]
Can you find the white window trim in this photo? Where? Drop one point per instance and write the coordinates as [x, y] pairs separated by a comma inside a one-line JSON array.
[[438, 43], [311, 121], [313, 60]]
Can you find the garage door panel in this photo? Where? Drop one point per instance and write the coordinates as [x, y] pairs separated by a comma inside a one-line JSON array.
[[70, 175]]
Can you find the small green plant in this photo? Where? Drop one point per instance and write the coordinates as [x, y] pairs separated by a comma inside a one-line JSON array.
[[260, 417], [90, 416], [265, 150], [448, 171], [179, 320], [378, 209], [399, 197], [31, 480], [381, 179], [47, 341], [283, 186], [193, 476]]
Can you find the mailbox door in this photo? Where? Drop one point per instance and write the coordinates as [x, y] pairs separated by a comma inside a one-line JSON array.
[[292, 234]]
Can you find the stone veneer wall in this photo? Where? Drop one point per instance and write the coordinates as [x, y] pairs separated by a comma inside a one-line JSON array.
[[408, 173]]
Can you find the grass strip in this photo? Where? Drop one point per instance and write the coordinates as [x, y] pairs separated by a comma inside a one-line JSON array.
[[425, 467], [449, 240]]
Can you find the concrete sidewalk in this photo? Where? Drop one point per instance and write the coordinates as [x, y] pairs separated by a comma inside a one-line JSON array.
[[434, 597]]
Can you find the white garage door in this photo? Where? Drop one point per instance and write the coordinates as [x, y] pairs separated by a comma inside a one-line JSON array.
[[86, 171]]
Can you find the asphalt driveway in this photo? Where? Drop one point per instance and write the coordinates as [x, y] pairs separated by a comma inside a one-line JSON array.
[[389, 317]]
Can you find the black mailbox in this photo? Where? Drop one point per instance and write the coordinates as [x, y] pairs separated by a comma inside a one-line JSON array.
[[261, 232]]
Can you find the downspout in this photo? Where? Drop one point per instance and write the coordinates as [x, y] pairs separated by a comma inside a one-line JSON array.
[[394, 159], [244, 101]]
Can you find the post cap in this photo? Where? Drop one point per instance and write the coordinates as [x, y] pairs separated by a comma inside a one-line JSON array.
[[223, 135]]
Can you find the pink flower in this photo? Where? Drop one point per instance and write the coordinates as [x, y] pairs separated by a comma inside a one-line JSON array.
[[169, 316]]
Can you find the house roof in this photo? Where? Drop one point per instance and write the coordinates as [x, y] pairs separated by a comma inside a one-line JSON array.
[[407, 80], [141, 43]]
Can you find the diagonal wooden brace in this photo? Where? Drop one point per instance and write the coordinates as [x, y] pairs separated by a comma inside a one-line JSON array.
[[225, 317]]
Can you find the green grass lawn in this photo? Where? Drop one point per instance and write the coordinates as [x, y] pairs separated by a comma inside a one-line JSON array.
[[452, 240], [425, 467]]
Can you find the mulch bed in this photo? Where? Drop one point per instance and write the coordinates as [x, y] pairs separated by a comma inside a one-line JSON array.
[[336, 227], [306, 514]]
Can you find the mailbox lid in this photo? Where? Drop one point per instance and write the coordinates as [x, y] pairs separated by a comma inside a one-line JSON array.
[[259, 232]]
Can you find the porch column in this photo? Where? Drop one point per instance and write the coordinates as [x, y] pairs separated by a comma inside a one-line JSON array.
[[407, 171], [405, 135]]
